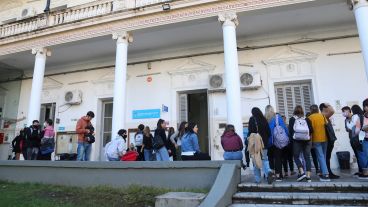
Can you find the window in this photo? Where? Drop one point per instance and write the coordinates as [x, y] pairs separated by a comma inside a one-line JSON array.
[[107, 122], [289, 95]]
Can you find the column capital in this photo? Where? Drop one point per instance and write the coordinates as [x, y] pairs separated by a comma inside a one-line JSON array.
[[122, 37], [41, 51], [228, 18], [355, 4]]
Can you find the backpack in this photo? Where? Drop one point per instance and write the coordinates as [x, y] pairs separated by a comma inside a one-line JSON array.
[[301, 129], [157, 142], [280, 137]]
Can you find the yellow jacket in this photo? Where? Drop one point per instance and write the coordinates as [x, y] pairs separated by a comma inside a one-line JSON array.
[[318, 124]]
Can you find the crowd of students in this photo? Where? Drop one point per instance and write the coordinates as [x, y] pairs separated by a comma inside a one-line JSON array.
[[273, 144]]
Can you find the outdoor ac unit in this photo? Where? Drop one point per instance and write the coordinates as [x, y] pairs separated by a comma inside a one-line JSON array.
[[73, 97], [216, 82], [27, 12], [250, 81]]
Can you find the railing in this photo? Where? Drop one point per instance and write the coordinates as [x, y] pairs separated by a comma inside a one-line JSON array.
[[85, 11]]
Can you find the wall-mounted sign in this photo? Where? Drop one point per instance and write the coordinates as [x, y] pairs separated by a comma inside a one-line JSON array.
[[165, 108], [61, 128], [146, 114]]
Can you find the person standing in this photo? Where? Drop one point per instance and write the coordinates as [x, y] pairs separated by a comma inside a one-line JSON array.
[[84, 147], [176, 138], [116, 148], [258, 125], [300, 129], [319, 140], [147, 148], [160, 142], [280, 140], [170, 144], [33, 140], [364, 127], [190, 146], [47, 141], [327, 111], [18, 144], [138, 140]]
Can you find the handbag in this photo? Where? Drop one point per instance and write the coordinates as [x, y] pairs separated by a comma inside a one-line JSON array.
[[330, 132], [157, 142]]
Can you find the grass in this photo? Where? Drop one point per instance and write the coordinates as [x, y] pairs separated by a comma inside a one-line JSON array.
[[42, 195]]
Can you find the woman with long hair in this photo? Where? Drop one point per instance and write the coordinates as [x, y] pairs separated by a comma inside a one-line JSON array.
[[171, 146], [301, 130], [258, 124], [147, 148], [276, 150], [190, 147], [161, 151], [176, 138], [232, 145]]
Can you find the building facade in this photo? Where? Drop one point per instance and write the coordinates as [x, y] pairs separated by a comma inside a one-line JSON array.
[[208, 61]]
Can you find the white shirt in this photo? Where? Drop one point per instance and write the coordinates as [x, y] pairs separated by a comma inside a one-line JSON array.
[[352, 122], [116, 148]]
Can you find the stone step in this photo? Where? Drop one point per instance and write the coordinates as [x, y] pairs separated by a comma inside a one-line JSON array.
[[305, 187], [309, 198], [278, 205]]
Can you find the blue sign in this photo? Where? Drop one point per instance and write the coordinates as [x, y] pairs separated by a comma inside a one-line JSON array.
[[147, 114], [165, 108], [60, 128]]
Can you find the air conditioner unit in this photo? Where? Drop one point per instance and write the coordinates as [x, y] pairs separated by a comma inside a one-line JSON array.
[[250, 81], [73, 97], [27, 12], [216, 82]]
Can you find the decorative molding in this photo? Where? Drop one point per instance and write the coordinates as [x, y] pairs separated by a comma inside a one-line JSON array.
[[41, 51], [107, 78], [228, 19], [50, 83], [105, 25], [290, 54], [122, 37], [192, 66]]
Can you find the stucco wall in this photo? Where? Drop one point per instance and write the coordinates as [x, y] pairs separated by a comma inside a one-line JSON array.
[[334, 78]]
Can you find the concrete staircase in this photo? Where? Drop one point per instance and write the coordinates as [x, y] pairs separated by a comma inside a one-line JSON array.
[[314, 194]]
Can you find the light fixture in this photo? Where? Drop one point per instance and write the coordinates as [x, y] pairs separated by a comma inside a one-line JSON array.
[[166, 6]]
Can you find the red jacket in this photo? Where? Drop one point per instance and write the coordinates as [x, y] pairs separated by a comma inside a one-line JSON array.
[[81, 128]]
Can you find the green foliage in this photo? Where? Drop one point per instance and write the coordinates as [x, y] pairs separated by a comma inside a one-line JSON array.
[[43, 195]]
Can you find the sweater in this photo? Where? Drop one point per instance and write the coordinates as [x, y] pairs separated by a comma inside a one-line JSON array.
[[82, 123], [231, 141]]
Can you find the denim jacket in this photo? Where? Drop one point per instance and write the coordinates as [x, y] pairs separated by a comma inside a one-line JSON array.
[[189, 143]]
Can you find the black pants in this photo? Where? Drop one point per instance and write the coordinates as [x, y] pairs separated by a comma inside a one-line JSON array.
[[24, 152], [357, 157], [247, 157], [141, 154], [287, 158], [315, 159], [44, 157], [196, 156], [275, 159], [330, 146]]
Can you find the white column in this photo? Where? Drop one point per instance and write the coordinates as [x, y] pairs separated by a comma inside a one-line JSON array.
[[232, 80], [118, 115], [37, 82], [361, 17]]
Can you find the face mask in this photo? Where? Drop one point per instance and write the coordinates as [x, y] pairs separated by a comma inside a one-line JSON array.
[[125, 136]]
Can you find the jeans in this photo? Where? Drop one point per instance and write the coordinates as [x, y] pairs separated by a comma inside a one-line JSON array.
[[32, 153], [321, 149], [233, 155], [364, 154], [162, 154], [266, 167], [148, 155], [113, 158], [84, 151], [303, 147]]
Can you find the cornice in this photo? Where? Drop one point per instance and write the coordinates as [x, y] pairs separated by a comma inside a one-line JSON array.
[[101, 26]]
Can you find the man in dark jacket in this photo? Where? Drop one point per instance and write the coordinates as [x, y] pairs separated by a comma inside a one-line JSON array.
[[33, 140]]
